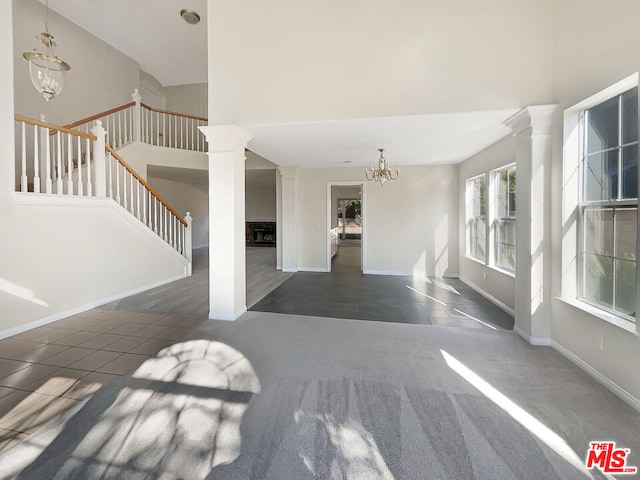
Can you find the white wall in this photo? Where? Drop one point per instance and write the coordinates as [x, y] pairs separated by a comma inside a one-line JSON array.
[[584, 65], [152, 92], [56, 259], [187, 198], [138, 155], [100, 78], [496, 283], [289, 61], [190, 99], [411, 223]]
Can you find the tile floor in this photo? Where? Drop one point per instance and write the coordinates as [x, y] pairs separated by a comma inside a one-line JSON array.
[[49, 369]]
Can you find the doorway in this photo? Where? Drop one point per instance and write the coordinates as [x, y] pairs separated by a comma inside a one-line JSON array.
[[345, 226]]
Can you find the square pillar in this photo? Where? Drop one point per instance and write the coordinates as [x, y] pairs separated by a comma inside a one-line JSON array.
[[227, 254], [288, 192], [531, 127], [278, 220]]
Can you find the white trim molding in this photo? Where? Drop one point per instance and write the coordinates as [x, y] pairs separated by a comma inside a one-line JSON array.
[[490, 297], [313, 269], [221, 316], [535, 341], [83, 308], [597, 376]]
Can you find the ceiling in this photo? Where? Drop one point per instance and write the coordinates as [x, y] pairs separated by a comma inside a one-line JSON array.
[[149, 31], [407, 140], [175, 53]]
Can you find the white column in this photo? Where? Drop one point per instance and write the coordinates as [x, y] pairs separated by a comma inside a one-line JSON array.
[[99, 160], [532, 129], [7, 146], [137, 115], [278, 220], [188, 242], [288, 192], [227, 271]]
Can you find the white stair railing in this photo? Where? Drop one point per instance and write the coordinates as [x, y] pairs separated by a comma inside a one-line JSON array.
[[131, 191], [119, 123], [54, 159], [172, 129], [57, 160]]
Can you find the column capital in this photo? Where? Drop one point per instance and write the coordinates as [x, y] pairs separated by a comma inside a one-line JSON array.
[[288, 173], [225, 138], [539, 118]]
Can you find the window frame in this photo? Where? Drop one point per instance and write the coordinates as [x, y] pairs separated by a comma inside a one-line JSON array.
[[470, 191], [495, 218], [612, 205], [571, 215]]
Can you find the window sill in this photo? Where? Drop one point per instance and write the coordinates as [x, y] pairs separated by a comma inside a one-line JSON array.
[[502, 271], [602, 315], [474, 259]]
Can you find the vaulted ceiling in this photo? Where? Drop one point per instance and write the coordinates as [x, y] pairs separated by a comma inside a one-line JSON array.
[[327, 83]]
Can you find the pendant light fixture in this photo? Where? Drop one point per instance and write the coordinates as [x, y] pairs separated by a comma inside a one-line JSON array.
[[383, 172], [45, 68]]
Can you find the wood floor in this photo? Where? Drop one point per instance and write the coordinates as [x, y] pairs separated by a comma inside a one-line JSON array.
[[346, 293], [190, 296]]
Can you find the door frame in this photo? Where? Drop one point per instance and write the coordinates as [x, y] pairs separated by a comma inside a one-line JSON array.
[[363, 204]]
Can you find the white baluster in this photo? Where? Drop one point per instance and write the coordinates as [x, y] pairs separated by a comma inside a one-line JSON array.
[[181, 132], [174, 226], [164, 130], [126, 126], [36, 161], [155, 211], [188, 240], [69, 165], [100, 161], [111, 175], [137, 117], [131, 180], [88, 159], [59, 164], [119, 121], [80, 186], [124, 186], [136, 208], [144, 205], [117, 181], [163, 222], [23, 178]]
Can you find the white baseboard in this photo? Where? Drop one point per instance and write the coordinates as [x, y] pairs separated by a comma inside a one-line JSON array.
[[535, 341], [489, 297], [83, 308], [391, 273], [312, 269], [289, 270], [227, 317], [597, 376]]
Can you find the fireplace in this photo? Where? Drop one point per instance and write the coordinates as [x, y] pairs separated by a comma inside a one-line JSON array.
[[261, 234]]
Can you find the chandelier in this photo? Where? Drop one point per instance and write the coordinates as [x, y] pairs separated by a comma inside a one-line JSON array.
[[45, 68], [383, 172]]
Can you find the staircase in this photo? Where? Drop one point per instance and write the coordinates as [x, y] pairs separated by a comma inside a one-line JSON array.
[[81, 160]]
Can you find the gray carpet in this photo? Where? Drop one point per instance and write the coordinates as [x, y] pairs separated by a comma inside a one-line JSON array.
[[274, 396]]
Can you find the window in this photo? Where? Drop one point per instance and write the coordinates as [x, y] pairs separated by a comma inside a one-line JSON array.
[[504, 218], [476, 218], [609, 205]]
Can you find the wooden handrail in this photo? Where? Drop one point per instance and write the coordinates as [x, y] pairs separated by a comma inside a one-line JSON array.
[[54, 128], [145, 184], [100, 115], [153, 109]]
